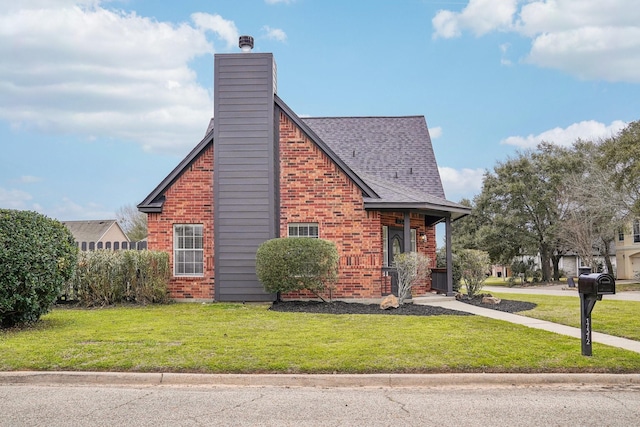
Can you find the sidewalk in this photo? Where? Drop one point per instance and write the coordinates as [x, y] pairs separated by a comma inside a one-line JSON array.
[[559, 290], [451, 303]]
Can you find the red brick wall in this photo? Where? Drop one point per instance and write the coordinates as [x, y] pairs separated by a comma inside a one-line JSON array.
[[188, 201], [312, 189]]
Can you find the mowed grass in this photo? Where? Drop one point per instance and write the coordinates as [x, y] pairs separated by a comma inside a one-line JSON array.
[[237, 338], [618, 318]]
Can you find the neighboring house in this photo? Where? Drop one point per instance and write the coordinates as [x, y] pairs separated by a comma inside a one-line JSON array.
[[571, 263], [97, 234], [628, 251], [369, 184]]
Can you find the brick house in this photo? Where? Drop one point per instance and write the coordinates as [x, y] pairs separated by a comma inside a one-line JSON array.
[[369, 184]]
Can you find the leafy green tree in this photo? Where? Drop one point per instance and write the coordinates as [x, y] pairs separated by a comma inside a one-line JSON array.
[[37, 256], [519, 205], [621, 156], [464, 232]]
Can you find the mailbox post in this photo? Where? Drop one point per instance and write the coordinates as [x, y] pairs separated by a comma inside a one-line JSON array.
[[591, 288]]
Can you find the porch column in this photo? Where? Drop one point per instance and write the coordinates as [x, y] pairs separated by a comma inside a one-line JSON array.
[[407, 232], [449, 256]]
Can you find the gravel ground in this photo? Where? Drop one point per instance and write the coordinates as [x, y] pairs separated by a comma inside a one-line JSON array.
[[339, 307]]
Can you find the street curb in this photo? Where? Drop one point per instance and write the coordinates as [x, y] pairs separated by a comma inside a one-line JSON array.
[[312, 380]]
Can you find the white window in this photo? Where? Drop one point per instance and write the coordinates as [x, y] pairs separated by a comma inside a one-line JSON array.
[[414, 240], [187, 250], [636, 231], [303, 230]]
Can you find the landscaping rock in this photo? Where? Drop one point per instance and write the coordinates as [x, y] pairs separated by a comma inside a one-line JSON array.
[[491, 300], [390, 301]]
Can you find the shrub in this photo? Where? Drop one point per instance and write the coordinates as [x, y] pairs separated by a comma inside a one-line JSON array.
[[293, 264], [37, 256], [106, 277], [412, 267], [475, 265]]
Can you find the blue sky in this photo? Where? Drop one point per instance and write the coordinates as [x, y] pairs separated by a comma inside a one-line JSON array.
[[100, 100]]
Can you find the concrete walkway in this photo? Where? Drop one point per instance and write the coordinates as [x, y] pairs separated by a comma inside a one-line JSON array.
[[559, 290], [451, 303]]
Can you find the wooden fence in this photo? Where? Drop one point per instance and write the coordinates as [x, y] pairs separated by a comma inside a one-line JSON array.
[[115, 246]]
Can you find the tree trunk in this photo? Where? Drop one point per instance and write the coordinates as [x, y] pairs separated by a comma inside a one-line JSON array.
[[555, 259], [544, 260], [605, 253]]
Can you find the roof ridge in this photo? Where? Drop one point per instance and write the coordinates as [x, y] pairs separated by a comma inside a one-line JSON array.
[[364, 117]]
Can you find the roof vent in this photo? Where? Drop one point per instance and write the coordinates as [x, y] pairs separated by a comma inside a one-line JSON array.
[[246, 43]]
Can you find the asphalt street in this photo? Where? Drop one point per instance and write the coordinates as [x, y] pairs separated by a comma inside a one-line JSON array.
[[188, 405]]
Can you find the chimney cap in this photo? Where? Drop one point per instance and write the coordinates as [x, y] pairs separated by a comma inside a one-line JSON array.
[[245, 43]]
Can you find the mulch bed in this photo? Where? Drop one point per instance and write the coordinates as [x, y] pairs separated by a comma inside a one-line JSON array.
[[339, 307], [508, 306]]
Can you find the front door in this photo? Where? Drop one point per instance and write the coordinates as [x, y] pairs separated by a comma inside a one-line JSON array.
[[396, 247]]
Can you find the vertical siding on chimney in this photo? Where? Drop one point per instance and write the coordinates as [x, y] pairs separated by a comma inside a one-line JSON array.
[[245, 208]]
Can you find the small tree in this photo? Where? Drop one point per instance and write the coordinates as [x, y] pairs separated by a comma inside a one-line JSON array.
[[294, 264], [37, 256], [475, 265], [412, 267]]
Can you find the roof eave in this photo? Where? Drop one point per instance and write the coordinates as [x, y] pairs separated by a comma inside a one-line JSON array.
[[152, 203], [445, 211]]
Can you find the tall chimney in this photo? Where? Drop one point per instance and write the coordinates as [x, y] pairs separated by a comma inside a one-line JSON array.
[[246, 209]]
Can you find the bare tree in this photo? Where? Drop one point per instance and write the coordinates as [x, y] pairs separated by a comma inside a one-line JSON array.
[[475, 266], [413, 267], [133, 222], [593, 210]]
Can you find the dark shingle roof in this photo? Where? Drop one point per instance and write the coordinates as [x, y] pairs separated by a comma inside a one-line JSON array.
[[393, 156], [390, 158], [396, 150]]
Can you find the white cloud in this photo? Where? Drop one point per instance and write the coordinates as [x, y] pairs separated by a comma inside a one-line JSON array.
[[68, 210], [435, 132], [279, 1], [479, 16], [14, 199], [590, 39], [464, 183], [223, 28], [74, 67], [29, 179], [275, 34], [611, 54], [589, 130]]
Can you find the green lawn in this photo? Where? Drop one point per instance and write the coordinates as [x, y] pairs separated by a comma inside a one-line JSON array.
[[619, 318], [236, 338]]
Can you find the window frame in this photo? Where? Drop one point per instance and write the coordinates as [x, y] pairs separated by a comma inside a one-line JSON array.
[[195, 239], [636, 230], [302, 225]]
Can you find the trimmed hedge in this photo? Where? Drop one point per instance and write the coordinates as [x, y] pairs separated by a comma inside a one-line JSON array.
[[106, 277], [37, 256], [294, 264]]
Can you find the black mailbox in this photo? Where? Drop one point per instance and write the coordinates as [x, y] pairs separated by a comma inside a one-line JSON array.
[[596, 284]]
